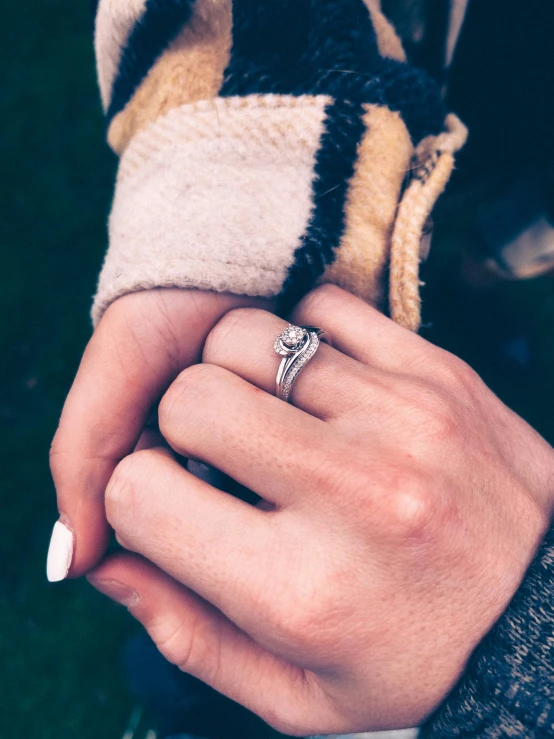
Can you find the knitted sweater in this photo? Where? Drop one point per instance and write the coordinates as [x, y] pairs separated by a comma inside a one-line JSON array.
[[268, 146]]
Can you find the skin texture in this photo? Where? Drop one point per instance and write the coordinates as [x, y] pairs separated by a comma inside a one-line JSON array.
[[141, 344], [401, 505]]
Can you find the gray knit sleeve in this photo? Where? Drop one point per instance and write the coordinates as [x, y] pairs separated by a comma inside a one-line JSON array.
[[508, 687]]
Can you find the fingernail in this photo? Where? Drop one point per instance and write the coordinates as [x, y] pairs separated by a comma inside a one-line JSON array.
[[115, 590], [60, 553]]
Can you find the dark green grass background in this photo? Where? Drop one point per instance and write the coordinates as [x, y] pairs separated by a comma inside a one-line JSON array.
[[60, 646], [60, 674]]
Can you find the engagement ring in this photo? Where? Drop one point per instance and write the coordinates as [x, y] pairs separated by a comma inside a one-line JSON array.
[[297, 345]]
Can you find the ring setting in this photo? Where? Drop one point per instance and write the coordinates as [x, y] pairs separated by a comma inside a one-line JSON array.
[[296, 345]]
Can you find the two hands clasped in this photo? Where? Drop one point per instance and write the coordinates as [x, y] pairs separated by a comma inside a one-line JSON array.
[[402, 503]]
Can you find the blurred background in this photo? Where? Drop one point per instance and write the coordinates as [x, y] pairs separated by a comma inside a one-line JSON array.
[[61, 646]]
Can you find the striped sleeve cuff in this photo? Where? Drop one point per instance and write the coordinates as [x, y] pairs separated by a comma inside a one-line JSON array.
[[264, 148]]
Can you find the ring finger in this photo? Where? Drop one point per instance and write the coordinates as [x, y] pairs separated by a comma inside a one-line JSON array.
[[242, 342]]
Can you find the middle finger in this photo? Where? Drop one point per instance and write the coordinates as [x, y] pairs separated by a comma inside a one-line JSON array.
[[275, 450]]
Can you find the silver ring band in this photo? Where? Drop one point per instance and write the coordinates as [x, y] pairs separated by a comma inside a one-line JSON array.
[[297, 345]]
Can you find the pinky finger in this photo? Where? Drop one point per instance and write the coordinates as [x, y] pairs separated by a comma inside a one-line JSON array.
[[196, 637]]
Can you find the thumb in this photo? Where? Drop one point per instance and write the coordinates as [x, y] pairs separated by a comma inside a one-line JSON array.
[[141, 344], [201, 641]]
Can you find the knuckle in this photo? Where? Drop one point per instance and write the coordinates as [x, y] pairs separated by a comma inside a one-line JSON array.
[[320, 300], [409, 508], [183, 642], [222, 339], [125, 487], [311, 623], [457, 375], [141, 322], [56, 454], [186, 395], [297, 627]]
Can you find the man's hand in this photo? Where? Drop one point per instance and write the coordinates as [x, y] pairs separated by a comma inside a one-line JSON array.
[[402, 504], [141, 344]]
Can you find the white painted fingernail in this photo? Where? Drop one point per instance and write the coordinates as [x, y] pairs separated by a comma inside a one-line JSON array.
[[60, 553]]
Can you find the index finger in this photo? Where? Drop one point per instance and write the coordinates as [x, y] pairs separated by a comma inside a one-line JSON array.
[[143, 341]]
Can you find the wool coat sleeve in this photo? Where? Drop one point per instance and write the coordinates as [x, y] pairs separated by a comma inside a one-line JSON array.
[[267, 146]]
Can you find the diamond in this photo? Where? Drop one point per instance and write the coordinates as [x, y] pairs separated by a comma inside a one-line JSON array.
[[292, 336]]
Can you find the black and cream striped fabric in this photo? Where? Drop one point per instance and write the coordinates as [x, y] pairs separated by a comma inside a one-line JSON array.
[[158, 60]]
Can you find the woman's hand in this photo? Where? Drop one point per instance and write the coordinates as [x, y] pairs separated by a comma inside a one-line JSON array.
[[141, 344], [402, 505]]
